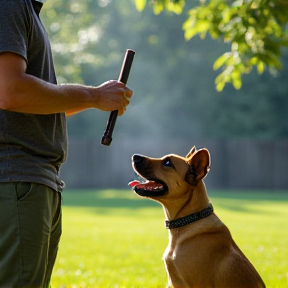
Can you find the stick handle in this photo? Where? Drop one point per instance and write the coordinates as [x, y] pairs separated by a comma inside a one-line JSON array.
[[123, 77]]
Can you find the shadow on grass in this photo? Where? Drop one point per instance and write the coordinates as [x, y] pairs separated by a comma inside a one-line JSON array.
[[246, 201], [238, 201], [253, 195], [106, 199]]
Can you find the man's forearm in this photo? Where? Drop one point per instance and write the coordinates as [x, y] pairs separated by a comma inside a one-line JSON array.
[[29, 94]]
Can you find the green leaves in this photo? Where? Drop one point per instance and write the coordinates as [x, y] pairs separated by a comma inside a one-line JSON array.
[[250, 27], [232, 72], [175, 6], [140, 4], [255, 29]]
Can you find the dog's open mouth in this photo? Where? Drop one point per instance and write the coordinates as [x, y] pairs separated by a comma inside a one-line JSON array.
[[149, 188]]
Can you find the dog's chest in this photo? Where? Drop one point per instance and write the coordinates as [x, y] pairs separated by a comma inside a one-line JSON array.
[[172, 262], [178, 253], [171, 256]]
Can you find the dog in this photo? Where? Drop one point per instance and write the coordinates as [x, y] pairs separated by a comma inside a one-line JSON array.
[[201, 252]]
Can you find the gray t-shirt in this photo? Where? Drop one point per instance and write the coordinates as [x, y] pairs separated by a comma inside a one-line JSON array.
[[32, 147]]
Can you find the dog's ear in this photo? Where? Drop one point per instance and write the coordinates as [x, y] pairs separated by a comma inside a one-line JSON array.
[[193, 149], [199, 165]]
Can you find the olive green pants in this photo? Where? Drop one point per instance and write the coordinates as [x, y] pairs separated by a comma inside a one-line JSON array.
[[30, 230]]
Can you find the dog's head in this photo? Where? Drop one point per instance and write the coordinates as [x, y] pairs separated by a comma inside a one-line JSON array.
[[170, 173]]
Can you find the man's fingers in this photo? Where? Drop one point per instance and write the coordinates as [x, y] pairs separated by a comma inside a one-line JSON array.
[[122, 110], [127, 97], [129, 92]]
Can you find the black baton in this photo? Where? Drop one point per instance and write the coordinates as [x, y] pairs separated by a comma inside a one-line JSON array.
[[123, 77]]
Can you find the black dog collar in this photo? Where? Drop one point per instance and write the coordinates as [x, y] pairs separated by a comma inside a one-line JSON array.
[[180, 222]]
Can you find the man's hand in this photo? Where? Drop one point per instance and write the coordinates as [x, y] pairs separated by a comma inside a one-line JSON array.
[[113, 95]]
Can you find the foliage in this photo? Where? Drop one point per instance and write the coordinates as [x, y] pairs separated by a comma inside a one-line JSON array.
[[113, 238], [175, 6], [255, 29]]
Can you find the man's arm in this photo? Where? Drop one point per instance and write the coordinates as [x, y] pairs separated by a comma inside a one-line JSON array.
[[20, 92]]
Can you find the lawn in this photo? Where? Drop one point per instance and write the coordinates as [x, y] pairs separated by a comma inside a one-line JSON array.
[[113, 238]]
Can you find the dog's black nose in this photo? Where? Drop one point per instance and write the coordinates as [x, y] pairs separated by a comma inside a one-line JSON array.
[[137, 158]]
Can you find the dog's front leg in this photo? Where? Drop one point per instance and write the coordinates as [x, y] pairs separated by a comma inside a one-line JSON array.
[[174, 278]]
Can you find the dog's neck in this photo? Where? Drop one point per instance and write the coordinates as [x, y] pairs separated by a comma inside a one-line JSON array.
[[196, 200], [191, 218]]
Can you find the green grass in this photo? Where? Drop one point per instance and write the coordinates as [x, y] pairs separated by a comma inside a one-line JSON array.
[[113, 238]]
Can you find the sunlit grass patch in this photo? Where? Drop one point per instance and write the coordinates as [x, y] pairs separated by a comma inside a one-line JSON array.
[[112, 238]]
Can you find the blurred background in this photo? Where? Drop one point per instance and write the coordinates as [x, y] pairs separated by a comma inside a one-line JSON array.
[[175, 104]]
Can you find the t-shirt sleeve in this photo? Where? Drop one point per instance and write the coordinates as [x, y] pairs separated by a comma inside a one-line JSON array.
[[14, 27]]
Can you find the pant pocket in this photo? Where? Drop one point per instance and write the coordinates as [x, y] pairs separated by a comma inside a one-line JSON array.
[[22, 189]]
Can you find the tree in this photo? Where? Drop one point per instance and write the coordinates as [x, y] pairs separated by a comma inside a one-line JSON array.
[[255, 29], [174, 95]]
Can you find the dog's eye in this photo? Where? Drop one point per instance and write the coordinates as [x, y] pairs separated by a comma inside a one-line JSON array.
[[167, 163]]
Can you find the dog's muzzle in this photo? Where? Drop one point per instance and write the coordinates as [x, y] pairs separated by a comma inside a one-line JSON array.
[[151, 186]]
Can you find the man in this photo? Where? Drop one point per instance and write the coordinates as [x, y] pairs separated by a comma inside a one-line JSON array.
[[33, 143]]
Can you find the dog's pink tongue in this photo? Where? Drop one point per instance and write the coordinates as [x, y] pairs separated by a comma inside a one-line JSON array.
[[133, 183]]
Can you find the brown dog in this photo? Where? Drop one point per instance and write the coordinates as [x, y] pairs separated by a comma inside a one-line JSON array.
[[201, 252]]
